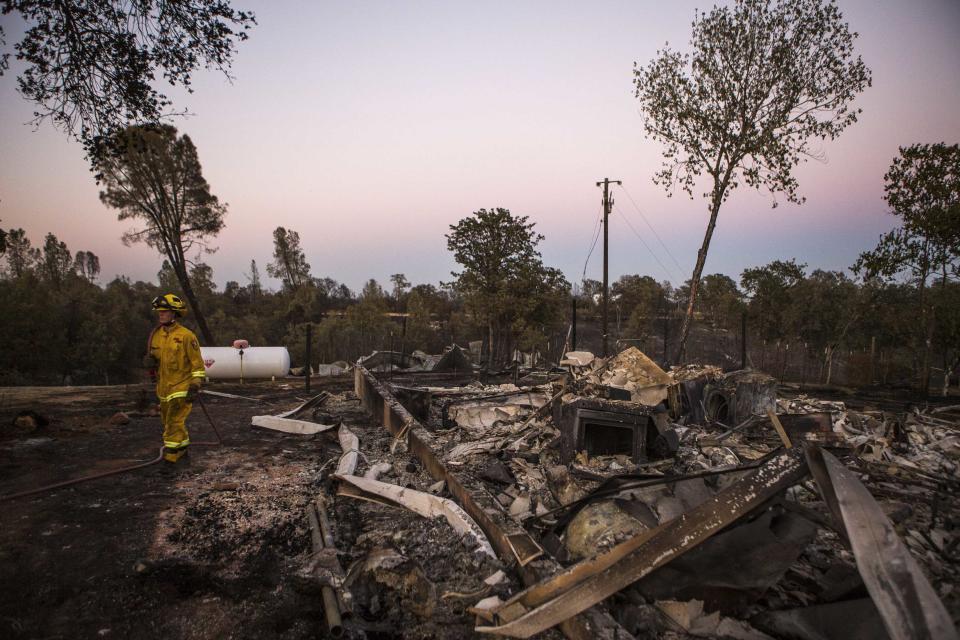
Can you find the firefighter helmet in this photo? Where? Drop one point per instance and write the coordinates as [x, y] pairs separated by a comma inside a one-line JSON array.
[[170, 302]]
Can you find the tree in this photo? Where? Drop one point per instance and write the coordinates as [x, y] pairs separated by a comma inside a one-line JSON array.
[[57, 263], [91, 66], [826, 305], [769, 288], [153, 176], [289, 262], [400, 285], [922, 188], [87, 265], [503, 280], [256, 288], [764, 78], [720, 300], [19, 254]]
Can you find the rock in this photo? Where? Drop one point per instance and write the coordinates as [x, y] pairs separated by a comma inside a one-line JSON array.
[[496, 471], [520, 507], [25, 422], [119, 418], [29, 420]]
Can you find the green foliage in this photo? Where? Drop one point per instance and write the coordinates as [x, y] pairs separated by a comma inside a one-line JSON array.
[[87, 265], [822, 311], [289, 264], [764, 79], [92, 66], [720, 301], [770, 290], [154, 177], [400, 286], [922, 188], [20, 256], [639, 299], [61, 327], [504, 284], [56, 263]]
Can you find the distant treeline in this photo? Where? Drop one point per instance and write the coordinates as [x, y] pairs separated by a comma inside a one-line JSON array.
[[62, 326]]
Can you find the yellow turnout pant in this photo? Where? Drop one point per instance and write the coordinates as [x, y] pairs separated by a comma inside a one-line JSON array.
[[173, 415]]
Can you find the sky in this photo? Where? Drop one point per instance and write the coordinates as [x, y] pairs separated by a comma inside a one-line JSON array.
[[370, 127]]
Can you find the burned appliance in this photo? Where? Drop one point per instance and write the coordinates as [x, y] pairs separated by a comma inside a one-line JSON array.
[[605, 428], [738, 395]]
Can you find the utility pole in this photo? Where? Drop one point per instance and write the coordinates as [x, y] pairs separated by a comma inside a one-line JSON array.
[[607, 205]]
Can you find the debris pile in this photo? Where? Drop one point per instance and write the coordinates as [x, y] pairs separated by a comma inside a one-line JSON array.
[[617, 500], [703, 504]]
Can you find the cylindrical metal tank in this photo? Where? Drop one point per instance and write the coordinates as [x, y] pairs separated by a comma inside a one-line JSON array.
[[224, 363]]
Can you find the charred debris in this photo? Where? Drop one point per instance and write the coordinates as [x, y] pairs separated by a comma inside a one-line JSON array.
[[613, 499]]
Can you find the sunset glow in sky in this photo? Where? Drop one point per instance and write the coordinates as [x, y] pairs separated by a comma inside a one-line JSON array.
[[370, 127]]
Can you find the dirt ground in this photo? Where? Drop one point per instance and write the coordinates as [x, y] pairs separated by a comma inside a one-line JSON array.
[[210, 549], [217, 547]]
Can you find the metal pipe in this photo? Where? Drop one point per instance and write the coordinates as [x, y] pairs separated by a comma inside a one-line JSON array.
[[346, 603], [330, 609]]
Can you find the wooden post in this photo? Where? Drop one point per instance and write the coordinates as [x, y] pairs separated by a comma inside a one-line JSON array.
[[780, 430], [743, 340], [307, 370]]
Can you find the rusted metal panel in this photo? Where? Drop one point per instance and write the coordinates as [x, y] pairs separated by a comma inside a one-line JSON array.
[[511, 542], [568, 593]]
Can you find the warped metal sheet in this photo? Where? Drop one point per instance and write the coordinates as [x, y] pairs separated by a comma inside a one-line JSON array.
[[905, 599], [583, 585]]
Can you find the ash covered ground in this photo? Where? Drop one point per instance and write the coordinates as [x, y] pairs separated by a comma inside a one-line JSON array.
[[221, 547]]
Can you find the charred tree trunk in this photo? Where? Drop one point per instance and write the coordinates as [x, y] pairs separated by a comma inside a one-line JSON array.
[[927, 327], [719, 189], [829, 363], [195, 306], [490, 344]]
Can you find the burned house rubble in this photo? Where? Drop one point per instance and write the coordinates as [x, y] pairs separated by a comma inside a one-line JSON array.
[[613, 499], [601, 498]]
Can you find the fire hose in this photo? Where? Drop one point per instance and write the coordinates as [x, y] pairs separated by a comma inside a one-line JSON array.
[[113, 472]]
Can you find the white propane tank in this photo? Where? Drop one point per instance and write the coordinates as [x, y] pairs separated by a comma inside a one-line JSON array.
[[223, 363]]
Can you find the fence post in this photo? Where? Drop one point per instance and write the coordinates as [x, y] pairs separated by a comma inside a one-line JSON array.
[[308, 369]]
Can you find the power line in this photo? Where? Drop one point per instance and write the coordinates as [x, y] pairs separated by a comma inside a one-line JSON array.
[[639, 237], [593, 244], [657, 235]]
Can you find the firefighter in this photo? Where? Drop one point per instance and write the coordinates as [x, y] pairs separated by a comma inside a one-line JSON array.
[[175, 355]]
